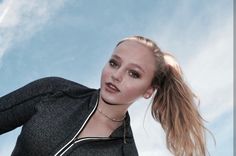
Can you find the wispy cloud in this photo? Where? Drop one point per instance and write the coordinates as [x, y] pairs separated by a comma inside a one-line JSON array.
[[19, 20], [211, 72], [208, 70], [148, 134], [4, 14]]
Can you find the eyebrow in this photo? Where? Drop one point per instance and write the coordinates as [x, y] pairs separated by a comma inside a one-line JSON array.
[[133, 64], [117, 57]]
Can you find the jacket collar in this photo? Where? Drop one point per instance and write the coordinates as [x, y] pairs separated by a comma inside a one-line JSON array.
[[123, 131]]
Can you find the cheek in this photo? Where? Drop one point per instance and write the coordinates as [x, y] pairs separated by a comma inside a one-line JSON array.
[[105, 73], [133, 90]]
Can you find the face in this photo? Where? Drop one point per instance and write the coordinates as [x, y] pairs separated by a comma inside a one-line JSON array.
[[128, 74]]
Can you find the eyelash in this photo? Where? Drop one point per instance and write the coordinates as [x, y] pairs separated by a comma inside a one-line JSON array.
[[113, 63], [132, 73]]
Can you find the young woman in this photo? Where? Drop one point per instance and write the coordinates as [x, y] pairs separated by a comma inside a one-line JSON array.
[[62, 117]]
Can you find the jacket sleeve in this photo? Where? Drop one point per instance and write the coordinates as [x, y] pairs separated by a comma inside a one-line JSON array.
[[18, 106]]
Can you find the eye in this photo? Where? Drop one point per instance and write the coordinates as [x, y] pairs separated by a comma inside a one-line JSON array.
[[113, 63], [134, 74]]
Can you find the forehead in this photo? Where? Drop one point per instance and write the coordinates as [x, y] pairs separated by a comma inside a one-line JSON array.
[[137, 53]]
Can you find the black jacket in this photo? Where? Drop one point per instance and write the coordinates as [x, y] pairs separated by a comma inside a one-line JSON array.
[[53, 112]]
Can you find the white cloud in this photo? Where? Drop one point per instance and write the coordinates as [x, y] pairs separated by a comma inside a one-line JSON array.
[[5, 10], [19, 20], [149, 135], [210, 72]]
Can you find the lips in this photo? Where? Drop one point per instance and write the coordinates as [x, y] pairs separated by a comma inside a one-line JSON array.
[[111, 88]]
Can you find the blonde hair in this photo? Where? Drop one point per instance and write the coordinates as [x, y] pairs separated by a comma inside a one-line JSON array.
[[174, 105]]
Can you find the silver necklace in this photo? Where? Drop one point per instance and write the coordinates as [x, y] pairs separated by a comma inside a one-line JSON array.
[[112, 119]]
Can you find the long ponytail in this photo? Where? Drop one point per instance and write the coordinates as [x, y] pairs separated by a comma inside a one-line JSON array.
[[174, 106]]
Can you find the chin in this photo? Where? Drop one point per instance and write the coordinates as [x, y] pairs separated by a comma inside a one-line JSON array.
[[109, 98]]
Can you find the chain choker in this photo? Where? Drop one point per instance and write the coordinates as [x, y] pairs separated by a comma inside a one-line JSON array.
[[112, 119]]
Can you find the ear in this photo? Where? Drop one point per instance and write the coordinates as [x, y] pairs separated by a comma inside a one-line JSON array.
[[149, 92]]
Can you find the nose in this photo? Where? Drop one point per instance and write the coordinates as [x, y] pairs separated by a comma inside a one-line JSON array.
[[117, 75]]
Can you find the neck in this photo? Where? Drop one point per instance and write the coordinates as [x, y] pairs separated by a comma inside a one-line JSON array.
[[115, 111]]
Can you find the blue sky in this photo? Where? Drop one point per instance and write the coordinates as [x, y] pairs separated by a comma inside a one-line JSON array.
[[74, 39]]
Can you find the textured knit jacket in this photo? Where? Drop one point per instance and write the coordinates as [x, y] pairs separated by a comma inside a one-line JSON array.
[[53, 111]]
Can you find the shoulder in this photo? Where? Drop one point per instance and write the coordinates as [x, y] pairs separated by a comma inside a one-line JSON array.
[[55, 81], [51, 80], [52, 84], [58, 83]]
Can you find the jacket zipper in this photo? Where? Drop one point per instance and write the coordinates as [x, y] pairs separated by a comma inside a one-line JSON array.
[[74, 140]]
